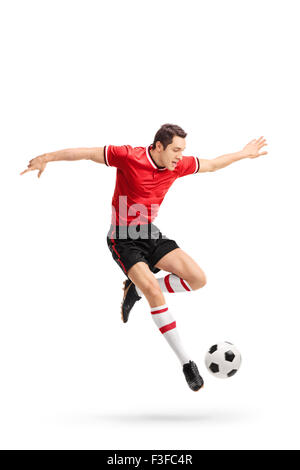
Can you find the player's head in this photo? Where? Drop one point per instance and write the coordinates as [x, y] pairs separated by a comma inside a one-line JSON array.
[[169, 143]]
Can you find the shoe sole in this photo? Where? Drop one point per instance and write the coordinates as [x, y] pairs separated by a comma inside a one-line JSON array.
[[124, 297]]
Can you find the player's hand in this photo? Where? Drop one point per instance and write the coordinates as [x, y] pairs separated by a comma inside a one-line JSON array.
[[37, 163], [252, 150]]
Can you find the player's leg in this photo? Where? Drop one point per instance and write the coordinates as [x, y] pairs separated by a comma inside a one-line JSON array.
[[145, 280], [186, 273]]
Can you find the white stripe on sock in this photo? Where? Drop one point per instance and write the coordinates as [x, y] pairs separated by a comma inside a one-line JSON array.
[[176, 284], [161, 319]]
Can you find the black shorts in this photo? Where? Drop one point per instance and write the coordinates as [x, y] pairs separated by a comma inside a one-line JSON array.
[[144, 243]]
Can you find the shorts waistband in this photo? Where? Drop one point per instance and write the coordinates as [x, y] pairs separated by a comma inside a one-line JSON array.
[[134, 232]]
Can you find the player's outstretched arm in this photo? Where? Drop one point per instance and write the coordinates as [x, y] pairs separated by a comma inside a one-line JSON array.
[[251, 150], [39, 163]]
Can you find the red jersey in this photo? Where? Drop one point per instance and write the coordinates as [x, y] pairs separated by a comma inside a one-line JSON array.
[[141, 184]]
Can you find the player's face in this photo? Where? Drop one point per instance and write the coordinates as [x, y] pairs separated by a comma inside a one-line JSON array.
[[173, 152]]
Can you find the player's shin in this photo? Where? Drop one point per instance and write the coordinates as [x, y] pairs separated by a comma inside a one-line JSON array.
[[167, 326]]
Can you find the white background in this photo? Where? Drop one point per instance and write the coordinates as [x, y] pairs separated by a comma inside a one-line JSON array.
[[93, 73]]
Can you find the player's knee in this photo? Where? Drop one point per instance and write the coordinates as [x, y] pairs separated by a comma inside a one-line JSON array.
[[151, 288]]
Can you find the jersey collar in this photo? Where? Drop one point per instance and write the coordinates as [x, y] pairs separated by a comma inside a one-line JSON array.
[[148, 148]]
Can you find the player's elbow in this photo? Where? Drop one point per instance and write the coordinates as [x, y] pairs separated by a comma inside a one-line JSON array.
[[212, 165]]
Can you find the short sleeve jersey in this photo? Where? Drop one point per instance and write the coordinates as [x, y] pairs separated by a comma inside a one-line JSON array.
[[141, 184]]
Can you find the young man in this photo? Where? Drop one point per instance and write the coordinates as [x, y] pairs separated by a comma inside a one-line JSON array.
[[144, 175]]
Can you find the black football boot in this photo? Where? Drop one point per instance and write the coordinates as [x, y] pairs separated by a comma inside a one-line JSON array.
[[192, 376], [130, 297]]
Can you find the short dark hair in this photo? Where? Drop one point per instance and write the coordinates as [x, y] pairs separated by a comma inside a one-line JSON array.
[[166, 133]]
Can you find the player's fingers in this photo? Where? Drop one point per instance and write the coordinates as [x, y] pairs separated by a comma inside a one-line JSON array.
[[28, 169], [258, 140], [262, 144], [41, 170], [262, 153]]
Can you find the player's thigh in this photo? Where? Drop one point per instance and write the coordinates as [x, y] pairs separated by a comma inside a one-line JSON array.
[[141, 275], [183, 265]]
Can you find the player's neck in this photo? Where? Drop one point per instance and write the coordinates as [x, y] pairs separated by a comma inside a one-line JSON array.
[[155, 156]]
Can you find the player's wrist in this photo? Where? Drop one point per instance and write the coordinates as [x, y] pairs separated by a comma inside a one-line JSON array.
[[243, 154], [48, 157]]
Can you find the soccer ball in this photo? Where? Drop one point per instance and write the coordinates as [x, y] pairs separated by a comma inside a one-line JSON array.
[[223, 360]]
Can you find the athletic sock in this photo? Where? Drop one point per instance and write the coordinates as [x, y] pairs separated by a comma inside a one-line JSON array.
[[170, 283], [167, 326]]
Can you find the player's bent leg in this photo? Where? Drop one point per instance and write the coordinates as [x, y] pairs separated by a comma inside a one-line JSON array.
[[179, 263], [141, 282], [146, 282]]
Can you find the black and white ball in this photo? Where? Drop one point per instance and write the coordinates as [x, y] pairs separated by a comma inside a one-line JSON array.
[[223, 360]]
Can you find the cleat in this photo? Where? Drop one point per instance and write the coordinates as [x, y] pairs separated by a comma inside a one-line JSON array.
[[193, 378], [130, 297]]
